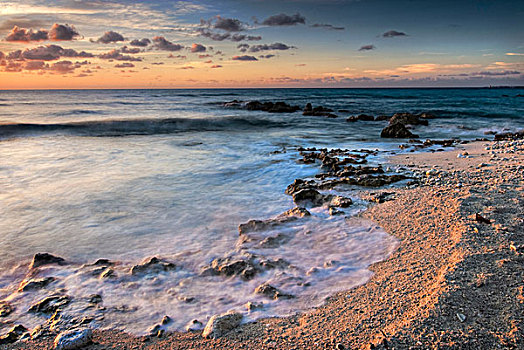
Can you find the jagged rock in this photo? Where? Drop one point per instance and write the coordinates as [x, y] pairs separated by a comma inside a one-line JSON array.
[[218, 325], [308, 108], [156, 331], [342, 202], [13, 335], [277, 107], [334, 211], [50, 304], [95, 299], [382, 197], [250, 306], [319, 112], [298, 185], [296, 212], [261, 225], [312, 196], [352, 119], [73, 339], [365, 118], [194, 325], [34, 283], [107, 273], [271, 292], [515, 135], [273, 264], [41, 259], [407, 118], [397, 130], [153, 265], [103, 262], [244, 268], [5, 309], [254, 225], [274, 241], [379, 118]]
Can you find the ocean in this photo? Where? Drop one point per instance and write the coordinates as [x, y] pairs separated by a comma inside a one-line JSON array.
[[130, 174]]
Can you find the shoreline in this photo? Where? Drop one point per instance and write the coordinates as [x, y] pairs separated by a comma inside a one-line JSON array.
[[413, 297]]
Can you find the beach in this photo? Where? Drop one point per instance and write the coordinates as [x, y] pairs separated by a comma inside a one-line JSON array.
[[455, 280]]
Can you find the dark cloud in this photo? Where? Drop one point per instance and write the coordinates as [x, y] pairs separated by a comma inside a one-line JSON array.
[[367, 48], [243, 47], [13, 67], [393, 33], [244, 58], [63, 67], [73, 53], [116, 55], [157, 63], [214, 36], [228, 24], [131, 50], [204, 56], [495, 74], [198, 48], [124, 65], [110, 37], [49, 53], [216, 66], [187, 67], [161, 43], [141, 43], [15, 55], [26, 35], [284, 20], [182, 57], [266, 56], [266, 47], [2, 55], [34, 65], [326, 26], [62, 32]]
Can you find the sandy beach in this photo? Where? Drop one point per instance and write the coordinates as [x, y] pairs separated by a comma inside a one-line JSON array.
[[454, 282]]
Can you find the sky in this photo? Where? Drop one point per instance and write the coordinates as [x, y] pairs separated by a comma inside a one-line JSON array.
[[260, 43]]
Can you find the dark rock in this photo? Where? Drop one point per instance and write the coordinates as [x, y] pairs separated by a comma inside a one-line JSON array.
[[234, 103], [352, 119], [396, 130], [312, 196], [34, 283], [103, 262], [5, 309], [407, 118], [427, 115], [308, 108], [296, 212], [319, 112], [50, 304], [282, 107], [382, 197], [107, 273], [516, 135], [366, 118], [166, 320], [343, 111], [73, 339], [153, 265], [271, 292], [95, 299], [250, 306], [244, 268], [342, 202], [382, 118], [13, 335], [274, 241], [334, 211], [480, 218], [41, 259], [194, 325]]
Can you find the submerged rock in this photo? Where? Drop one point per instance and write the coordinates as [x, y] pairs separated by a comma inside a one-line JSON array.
[[244, 268], [41, 259], [274, 241], [251, 306], [34, 283], [50, 304], [5, 309], [13, 335], [73, 339], [397, 130], [194, 325], [407, 118], [218, 325], [271, 292], [153, 265], [342, 202]]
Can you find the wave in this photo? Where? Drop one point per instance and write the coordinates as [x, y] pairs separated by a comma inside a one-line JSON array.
[[138, 127]]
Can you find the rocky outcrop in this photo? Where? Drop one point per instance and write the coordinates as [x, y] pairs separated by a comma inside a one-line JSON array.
[[34, 283], [515, 135], [361, 117], [73, 339], [5, 309], [408, 118], [397, 130], [13, 335], [41, 259], [50, 304], [271, 292], [318, 111], [218, 325], [311, 196], [245, 268], [152, 265]]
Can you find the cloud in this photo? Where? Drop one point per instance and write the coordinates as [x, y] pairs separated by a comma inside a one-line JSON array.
[[367, 48], [15, 55], [116, 55], [216, 66], [110, 37], [214, 36], [243, 47], [300, 65], [18, 34], [141, 43], [228, 24], [131, 50], [47, 53], [494, 74], [198, 48], [22, 22], [124, 65], [63, 67], [160, 43], [265, 47], [284, 20], [267, 56], [187, 67], [62, 32], [393, 33], [514, 54], [244, 58], [327, 26], [204, 56], [34, 65]]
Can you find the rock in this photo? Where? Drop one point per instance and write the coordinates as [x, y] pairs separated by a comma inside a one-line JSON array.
[[319, 112], [166, 320], [244, 268], [218, 325], [298, 185], [352, 119], [274, 241], [397, 130], [5, 309], [156, 331], [234, 103], [254, 225], [50, 304], [107, 273], [277, 107], [461, 317], [342, 202], [13, 335], [296, 212], [250, 306], [312, 196], [73, 339], [41, 259], [366, 118], [480, 218], [34, 283], [95, 299], [271, 292], [194, 325], [153, 265], [382, 118], [308, 108], [335, 211], [515, 135], [407, 118], [102, 262]]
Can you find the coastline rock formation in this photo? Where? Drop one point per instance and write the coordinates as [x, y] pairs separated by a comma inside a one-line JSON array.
[[218, 325]]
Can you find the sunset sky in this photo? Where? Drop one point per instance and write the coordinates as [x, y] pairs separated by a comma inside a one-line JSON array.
[[255, 43]]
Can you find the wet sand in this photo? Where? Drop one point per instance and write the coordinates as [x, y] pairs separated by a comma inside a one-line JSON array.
[[453, 282]]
